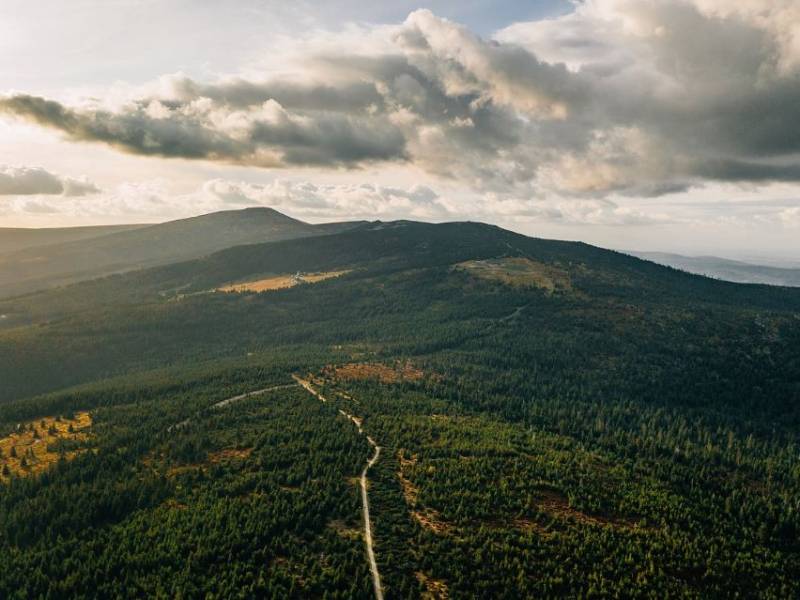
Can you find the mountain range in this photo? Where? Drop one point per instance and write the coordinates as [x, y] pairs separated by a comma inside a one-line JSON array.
[[726, 269], [426, 410], [37, 259]]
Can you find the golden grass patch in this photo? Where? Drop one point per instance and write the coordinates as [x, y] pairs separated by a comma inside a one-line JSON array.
[[28, 451], [279, 282], [519, 272]]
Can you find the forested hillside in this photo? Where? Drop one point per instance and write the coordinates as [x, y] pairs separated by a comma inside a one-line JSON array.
[[555, 420]]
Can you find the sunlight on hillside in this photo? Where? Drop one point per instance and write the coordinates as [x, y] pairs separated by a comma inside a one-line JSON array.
[[518, 272], [279, 282], [397, 373], [33, 447]]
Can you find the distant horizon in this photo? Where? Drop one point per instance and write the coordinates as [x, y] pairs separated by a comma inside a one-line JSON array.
[[784, 261]]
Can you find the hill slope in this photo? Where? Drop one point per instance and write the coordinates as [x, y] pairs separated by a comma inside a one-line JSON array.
[[556, 421], [385, 262], [15, 239], [46, 266]]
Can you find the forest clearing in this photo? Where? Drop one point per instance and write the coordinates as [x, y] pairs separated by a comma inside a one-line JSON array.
[[280, 282], [31, 449]]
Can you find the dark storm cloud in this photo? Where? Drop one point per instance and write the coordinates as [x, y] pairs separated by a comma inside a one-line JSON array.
[[132, 131], [264, 140], [740, 171], [330, 140]]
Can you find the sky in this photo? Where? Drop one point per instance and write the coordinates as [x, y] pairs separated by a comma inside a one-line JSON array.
[[666, 125]]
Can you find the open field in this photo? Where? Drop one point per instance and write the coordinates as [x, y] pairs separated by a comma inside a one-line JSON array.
[[30, 450], [518, 272], [401, 371], [279, 282]]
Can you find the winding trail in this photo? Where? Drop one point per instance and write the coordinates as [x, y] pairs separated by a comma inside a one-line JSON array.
[[224, 403], [373, 565], [227, 401]]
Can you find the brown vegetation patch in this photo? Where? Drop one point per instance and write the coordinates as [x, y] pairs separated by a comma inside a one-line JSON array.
[[227, 454], [401, 371], [214, 458], [342, 529], [410, 491], [406, 461], [292, 568], [435, 589], [430, 519], [519, 272], [525, 524], [530, 525], [519, 524], [176, 470], [279, 282], [29, 450], [557, 505]]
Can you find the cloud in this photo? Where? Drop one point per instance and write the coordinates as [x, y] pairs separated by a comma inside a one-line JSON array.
[[774, 209], [311, 200], [137, 131], [571, 211], [620, 97], [302, 199], [27, 181]]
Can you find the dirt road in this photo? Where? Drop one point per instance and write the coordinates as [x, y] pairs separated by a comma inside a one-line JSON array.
[[227, 401], [373, 565]]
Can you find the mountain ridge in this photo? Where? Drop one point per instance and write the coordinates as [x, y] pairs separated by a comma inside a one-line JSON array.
[[52, 265]]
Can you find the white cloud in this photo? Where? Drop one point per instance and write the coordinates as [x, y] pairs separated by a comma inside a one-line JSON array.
[[311, 200], [302, 199], [572, 211], [640, 98], [27, 181]]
